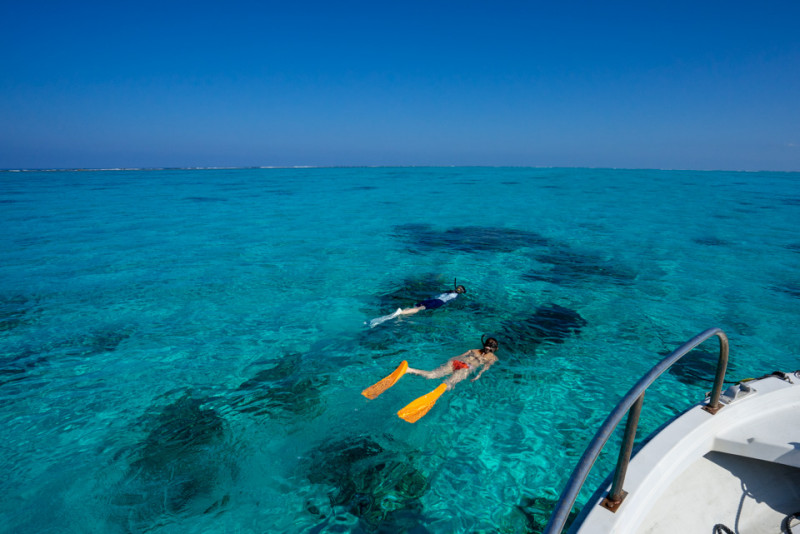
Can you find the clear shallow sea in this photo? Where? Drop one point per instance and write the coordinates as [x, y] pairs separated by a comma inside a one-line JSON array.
[[183, 351]]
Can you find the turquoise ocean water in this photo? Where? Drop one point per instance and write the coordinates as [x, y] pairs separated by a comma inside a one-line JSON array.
[[183, 351]]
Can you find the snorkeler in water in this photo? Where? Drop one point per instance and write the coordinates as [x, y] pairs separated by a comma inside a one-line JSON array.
[[428, 304], [462, 366], [458, 368]]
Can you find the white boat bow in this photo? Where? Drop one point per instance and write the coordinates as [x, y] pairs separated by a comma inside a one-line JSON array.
[[731, 464]]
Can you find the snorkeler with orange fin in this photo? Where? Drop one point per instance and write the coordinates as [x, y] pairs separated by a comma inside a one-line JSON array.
[[428, 304], [458, 368]]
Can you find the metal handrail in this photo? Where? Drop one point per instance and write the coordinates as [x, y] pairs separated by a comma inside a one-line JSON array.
[[631, 401]]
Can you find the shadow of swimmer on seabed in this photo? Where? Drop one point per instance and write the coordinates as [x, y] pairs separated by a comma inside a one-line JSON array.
[[459, 368]]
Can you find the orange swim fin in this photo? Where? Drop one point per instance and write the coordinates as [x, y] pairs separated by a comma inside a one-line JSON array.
[[376, 389], [414, 411]]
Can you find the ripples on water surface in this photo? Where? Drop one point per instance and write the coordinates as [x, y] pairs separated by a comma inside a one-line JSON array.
[[183, 351]]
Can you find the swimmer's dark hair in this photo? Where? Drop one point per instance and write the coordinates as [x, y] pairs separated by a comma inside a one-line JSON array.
[[489, 345]]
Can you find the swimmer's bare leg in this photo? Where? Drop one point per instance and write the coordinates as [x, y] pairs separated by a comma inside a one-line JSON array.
[[439, 372], [408, 311], [411, 311], [456, 377]]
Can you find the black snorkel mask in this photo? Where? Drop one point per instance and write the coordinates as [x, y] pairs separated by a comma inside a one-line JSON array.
[[455, 286]]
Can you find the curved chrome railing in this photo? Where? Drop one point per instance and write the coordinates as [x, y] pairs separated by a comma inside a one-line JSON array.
[[631, 403]]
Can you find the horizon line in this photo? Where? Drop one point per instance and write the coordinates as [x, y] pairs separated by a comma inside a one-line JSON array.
[[266, 167]]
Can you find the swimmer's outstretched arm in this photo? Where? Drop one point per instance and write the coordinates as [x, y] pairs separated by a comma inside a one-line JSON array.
[[485, 367]]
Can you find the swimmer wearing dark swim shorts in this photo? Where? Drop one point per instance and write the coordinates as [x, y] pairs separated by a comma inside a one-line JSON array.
[[429, 304], [462, 366], [436, 302]]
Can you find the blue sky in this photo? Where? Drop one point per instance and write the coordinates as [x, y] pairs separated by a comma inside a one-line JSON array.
[[683, 85]]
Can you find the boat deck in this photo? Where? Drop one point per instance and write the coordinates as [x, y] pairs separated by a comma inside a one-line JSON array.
[[748, 496]]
